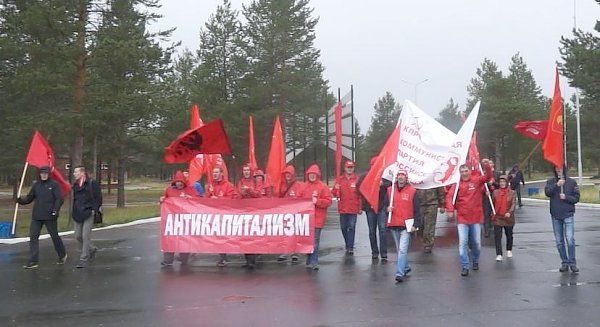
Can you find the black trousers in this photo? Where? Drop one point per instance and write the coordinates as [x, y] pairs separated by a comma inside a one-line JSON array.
[[508, 230], [34, 235]]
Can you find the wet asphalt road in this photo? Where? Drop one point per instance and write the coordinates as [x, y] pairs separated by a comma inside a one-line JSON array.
[[125, 286]]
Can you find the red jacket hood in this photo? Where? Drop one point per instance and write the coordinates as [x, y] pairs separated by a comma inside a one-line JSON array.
[[178, 177], [289, 169], [313, 169]]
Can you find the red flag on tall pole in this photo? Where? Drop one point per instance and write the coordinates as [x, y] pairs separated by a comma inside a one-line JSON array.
[[553, 146], [338, 138], [196, 166], [251, 148], [372, 181], [276, 159], [208, 139]]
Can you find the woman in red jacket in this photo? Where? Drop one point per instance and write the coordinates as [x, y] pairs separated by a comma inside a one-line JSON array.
[[505, 200], [321, 196]]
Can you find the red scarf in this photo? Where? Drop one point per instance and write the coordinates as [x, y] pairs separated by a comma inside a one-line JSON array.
[[501, 203]]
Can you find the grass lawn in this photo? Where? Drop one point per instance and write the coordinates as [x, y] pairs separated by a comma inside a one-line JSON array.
[[589, 194]]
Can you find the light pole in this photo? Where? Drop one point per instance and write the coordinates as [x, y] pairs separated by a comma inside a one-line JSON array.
[[415, 85]]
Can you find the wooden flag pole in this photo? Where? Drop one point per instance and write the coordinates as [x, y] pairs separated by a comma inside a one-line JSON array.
[[14, 223], [530, 154]]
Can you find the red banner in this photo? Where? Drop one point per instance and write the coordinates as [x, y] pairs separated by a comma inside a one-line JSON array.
[[237, 226], [534, 129]]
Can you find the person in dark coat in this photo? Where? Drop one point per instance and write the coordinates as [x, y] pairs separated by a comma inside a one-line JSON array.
[[48, 199], [87, 200], [564, 194], [515, 178]]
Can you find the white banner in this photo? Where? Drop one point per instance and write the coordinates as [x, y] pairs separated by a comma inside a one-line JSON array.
[[428, 151]]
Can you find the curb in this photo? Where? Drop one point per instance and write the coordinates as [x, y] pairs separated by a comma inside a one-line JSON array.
[[46, 236], [580, 204]]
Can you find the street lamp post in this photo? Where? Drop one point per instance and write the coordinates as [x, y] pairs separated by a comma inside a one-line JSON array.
[[415, 85]]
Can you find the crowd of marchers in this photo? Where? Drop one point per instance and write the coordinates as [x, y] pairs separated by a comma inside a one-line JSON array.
[[483, 198]]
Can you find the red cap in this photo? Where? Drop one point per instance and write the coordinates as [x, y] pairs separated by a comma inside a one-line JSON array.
[[349, 163], [402, 172]]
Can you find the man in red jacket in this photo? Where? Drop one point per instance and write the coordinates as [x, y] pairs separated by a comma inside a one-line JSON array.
[[469, 213], [246, 186], [220, 188], [404, 208], [348, 204], [290, 188], [319, 192], [178, 188]]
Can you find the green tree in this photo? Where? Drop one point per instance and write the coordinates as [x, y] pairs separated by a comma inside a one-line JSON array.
[[450, 116], [383, 122]]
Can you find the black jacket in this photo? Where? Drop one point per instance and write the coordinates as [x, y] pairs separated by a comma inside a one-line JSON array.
[[48, 199], [516, 178], [383, 194], [86, 199], [561, 209]]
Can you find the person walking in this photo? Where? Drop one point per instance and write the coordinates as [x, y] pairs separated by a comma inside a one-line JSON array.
[[48, 199], [515, 178], [405, 207], [504, 219], [179, 188], [377, 218], [468, 212], [290, 189], [431, 200], [87, 200], [318, 191], [348, 204], [563, 192]]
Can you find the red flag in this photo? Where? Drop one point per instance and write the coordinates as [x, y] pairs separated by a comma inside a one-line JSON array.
[[210, 138], [338, 138], [552, 147], [533, 129], [276, 159], [195, 120], [372, 181], [473, 154], [251, 148], [40, 154]]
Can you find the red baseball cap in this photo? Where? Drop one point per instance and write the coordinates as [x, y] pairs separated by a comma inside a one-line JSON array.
[[349, 164]]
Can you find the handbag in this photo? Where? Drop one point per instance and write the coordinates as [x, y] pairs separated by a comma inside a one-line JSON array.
[[98, 216]]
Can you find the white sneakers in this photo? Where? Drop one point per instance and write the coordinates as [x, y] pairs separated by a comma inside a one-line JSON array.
[[509, 254], [498, 258]]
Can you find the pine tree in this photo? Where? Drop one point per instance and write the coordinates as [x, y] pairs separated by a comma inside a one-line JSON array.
[[450, 116], [383, 122]]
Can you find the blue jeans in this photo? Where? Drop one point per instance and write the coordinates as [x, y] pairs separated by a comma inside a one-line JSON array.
[[402, 240], [348, 226], [468, 232], [564, 229], [313, 258], [377, 221]]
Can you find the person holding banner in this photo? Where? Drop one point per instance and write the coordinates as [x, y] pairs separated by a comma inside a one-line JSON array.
[[179, 188], [290, 188], [564, 194], [405, 219], [261, 187], [348, 204], [319, 192], [217, 189], [464, 201], [505, 204], [48, 199], [246, 186]]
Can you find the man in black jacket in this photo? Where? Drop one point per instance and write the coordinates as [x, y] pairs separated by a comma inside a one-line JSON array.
[[87, 200], [515, 178], [48, 198], [564, 194]]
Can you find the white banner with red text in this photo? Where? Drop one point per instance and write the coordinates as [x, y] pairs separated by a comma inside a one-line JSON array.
[[257, 226]]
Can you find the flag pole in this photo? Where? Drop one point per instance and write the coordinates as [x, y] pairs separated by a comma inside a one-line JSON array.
[[530, 154], [392, 192], [487, 190], [14, 223]]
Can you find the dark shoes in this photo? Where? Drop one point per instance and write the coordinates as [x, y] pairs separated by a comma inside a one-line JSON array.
[[81, 264], [30, 265], [563, 268], [427, 250], [399, 279], [475, 265], [166, 264], [574, 269], [407, 271], [61, 261], [350, 252], [464, 272], [93, 253], [294, 259], [384, 259]]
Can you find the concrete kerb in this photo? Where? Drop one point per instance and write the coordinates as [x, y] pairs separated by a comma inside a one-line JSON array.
[[45, 236]]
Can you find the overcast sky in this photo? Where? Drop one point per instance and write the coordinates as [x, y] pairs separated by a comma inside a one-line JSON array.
[[377, 44]]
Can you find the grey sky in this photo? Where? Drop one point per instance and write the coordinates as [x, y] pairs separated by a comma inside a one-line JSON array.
[[376, 44]]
